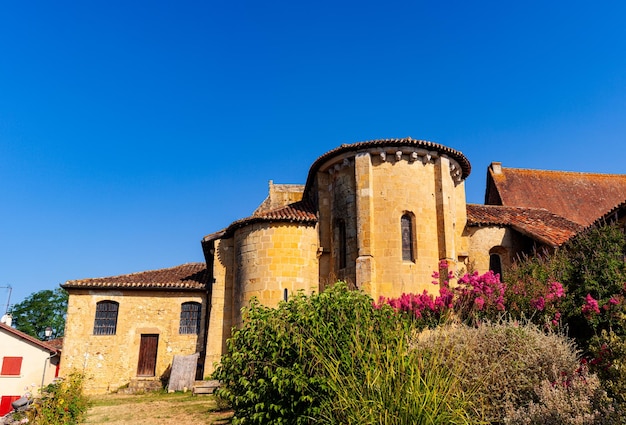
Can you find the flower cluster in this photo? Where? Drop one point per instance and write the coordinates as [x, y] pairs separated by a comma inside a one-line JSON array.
[[591, 306], [473, 296]]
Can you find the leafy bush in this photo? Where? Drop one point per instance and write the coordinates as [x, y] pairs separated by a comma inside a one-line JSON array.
[[501, 362], [61, 403], [578, 399], [269, 375], [334, 358], [608, 360], [592, 270]]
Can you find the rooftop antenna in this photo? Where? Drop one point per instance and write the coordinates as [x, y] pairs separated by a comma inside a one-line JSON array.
[[8, 299]]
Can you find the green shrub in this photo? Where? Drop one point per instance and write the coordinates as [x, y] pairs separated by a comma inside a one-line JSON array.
[[61, 403], [334, 358], [269, 375], [608, 351], [501, 363]]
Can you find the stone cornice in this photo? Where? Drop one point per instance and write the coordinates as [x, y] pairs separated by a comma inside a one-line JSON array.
[[407, 149]]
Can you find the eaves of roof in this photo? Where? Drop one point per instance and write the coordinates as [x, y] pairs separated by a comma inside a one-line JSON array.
[[299, 212], [186, 277], [30, 339], [537, 223]]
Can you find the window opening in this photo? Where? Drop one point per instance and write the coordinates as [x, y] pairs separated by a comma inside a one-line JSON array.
[[190, 318], [106, 318], [406, 225], [342, 254]]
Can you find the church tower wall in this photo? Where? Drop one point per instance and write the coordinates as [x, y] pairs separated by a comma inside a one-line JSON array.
[[373, 192], [273, 261]]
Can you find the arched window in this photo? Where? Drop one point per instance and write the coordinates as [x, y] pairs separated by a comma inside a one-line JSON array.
[[498, 256], [190, 318], [106, 318], [342, 248], [408, 239]]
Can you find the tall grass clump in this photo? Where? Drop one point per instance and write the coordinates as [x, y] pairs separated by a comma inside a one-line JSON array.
[[393, 383], [501, 363]]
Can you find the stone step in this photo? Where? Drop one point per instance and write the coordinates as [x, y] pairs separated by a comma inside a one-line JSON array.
[[205, 387]]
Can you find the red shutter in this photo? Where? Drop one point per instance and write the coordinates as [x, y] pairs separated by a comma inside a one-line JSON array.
[[5, 403], [11, 366]]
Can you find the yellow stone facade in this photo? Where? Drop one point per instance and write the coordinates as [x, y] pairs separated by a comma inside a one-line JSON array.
[[356, 197], [110, 362]]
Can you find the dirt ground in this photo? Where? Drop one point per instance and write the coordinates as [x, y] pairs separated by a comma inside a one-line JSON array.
[[155, 409]]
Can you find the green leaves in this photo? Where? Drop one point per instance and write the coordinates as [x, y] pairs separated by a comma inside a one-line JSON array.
[[40, 310]]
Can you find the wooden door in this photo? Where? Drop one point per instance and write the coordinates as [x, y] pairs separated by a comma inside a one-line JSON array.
[[147, 354]]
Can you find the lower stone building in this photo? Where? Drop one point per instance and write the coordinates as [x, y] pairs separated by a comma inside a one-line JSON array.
[[380, 215], [125, 330]]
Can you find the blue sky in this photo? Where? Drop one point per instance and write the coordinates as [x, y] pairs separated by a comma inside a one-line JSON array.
[[130, 129]]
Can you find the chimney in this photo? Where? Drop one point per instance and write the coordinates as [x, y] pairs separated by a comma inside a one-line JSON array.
[[496, 167], [7, 319]]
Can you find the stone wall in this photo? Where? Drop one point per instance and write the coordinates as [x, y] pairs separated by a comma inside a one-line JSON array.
[[110, 361], [501, 240], [271, 258], [370, 191]]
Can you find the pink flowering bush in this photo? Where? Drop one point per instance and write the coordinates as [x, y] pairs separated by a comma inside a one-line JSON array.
[[475, 297]]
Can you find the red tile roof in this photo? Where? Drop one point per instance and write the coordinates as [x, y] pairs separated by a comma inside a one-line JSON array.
[[298, 212], [579, 197], [537, 223], [190, 276], [32, 340]]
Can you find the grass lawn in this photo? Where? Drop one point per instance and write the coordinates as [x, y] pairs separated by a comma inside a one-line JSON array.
[[155, 408]]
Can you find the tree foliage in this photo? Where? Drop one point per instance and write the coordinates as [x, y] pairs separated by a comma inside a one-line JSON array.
[[40, 310]]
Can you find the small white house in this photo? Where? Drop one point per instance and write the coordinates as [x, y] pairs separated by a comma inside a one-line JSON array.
[[26, 364]]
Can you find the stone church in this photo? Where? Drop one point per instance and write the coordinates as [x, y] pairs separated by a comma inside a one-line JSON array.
[[379, 214]]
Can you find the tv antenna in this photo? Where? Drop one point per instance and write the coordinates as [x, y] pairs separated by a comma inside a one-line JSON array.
[[9, 298]]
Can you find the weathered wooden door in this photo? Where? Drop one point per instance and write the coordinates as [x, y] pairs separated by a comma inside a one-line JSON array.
[[147, 354]]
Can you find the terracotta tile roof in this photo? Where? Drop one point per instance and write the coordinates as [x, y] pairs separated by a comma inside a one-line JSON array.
[[610, 216], [190, 276], [407, 141], [298, 212], [537, 223], [32, 340], [56, 343], [579, 197]]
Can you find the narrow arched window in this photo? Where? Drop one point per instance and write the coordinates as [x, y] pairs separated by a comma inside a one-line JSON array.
[[190, 318], [406, 226], [106, 318], [495, 264], [342, 248]]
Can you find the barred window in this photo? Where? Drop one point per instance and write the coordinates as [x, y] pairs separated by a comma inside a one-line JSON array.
[[106, 318], [406, 226], [190, 318]]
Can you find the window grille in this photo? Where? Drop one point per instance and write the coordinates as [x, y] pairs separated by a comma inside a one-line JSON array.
[[106, 318], [190, 318]]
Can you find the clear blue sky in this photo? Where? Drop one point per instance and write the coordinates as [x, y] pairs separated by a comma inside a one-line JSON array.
[[130, 129]]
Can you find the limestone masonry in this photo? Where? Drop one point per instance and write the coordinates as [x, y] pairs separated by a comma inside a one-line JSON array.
[[380, 215]]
